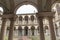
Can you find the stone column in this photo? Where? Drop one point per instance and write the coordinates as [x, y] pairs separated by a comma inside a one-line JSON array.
[[3, 29], [53, 37], [11, 29], [28, 32], [22, 32], [40, 20], [35, 32]]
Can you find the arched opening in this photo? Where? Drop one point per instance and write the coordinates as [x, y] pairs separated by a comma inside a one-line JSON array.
[[20, 18], [46, 28], [26, 30], [32, 18], [25, 9], [32, 29], [19, 31], [26, 18]]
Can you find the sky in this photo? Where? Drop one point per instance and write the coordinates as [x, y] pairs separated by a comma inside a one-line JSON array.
[[1, 9], [26, 9]]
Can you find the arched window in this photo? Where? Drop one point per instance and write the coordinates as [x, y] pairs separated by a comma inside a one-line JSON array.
[[32, 28], [32, 18], [20, 18], [26, 30], [24, 9], [26, 18]]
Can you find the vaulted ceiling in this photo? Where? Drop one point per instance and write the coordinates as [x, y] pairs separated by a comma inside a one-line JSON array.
[[41, 5]]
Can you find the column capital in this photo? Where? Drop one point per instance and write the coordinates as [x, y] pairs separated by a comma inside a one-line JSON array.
[[9, 16], [39, 17], [12, 19], [50, 17], [45, 14], [4, 19]]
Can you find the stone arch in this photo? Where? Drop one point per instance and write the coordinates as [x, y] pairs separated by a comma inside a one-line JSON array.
[[57, 1], [24, 3], [32, 30], [5, 9], [25, 30], [54, 4]]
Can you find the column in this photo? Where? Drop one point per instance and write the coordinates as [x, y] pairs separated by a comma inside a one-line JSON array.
[[40, 20], [11, 29], [22, 32], [53, 37], [3, 29], [35, 32], [30, 32]]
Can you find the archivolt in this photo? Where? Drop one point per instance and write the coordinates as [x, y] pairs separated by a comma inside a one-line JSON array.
[[24, 3]]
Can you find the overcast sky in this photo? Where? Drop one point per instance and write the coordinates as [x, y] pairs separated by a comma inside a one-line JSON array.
[[26, 9]]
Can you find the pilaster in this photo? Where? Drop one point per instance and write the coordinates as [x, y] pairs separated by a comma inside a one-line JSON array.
[[3, 29], [52, 32], [12, 21], [40, 21]]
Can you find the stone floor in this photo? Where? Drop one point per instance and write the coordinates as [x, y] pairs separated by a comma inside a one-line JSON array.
[[32, 38], [47, 37], [22, 38]]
